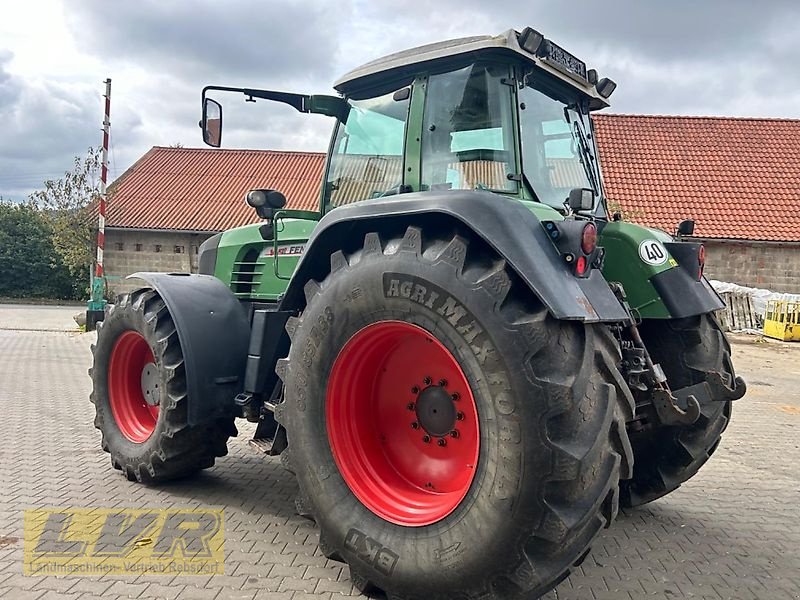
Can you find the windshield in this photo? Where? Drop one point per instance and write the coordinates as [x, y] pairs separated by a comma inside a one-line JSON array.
[[557, 153]]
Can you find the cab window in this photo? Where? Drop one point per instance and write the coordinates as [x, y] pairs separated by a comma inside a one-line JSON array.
[[367, 157], [550, 146], [468, 140]]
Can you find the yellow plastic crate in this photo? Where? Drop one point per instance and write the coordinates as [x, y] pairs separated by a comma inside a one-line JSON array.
[[782, 320]]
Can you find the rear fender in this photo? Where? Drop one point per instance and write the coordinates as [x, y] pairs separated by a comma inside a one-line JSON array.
[[506, 225], [213, 330]]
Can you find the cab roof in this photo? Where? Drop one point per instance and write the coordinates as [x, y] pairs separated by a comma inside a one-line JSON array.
[[408, 62]]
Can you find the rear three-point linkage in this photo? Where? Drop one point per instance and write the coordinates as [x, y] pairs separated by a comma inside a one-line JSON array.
[[646, 377]]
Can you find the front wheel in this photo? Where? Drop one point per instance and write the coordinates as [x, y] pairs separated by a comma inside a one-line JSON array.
[[450, 438], [140, 399]]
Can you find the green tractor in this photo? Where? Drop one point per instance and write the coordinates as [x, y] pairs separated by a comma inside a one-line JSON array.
[[467, 362]]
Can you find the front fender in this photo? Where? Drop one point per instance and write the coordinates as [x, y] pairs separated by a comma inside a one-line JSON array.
[[213, 330], [506, 225]]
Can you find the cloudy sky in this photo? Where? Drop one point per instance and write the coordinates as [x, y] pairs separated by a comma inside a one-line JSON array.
[[698, 57]]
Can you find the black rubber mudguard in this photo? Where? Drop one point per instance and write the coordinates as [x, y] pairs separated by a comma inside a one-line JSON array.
[[684, 296], [505, 224], [213, 330]]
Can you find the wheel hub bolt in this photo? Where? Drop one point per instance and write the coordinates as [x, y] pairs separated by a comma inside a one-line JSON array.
[[415, 425], [410, 406], [426, 439], [443, 383], [415, 390], [454, 434], [455, 396], [427, 381], [442, 442], [460, 416]]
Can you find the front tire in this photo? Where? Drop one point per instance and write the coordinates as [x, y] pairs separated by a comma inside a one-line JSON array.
[[542, 405], [139, 394]]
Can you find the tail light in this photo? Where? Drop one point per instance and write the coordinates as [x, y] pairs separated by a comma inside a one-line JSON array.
[[580, 266], [701, 261], [576, 241], [589, 238]]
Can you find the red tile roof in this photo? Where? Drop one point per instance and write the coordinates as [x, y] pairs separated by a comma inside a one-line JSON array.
[[203, 190], [737, 178]]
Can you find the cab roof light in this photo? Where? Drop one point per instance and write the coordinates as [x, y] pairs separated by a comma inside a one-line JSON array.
[[606, 87], [530, 40]]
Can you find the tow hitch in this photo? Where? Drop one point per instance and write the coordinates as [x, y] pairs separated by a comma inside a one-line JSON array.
[[667, 406]]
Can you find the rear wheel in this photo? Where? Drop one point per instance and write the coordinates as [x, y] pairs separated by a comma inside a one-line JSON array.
[[139, 393], [450, 438], [687, 349], [419, 467]]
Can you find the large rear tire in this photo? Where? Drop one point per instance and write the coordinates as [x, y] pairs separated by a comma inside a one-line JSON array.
[[141, 406], [687, 349], [411, 338]]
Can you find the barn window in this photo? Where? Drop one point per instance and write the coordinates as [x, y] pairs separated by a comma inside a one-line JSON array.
[[178, 249], [138, 247], [119, 246], [157, 248]]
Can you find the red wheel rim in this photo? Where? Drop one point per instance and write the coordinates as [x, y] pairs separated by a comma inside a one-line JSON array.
[[130, 357], [402, 423]]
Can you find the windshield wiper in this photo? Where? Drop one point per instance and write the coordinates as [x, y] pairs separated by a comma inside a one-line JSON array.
[[584, 155]]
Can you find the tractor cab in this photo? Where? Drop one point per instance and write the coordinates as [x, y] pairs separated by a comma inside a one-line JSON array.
[[507, 114]]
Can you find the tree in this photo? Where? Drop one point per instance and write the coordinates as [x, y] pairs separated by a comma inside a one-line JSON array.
[[29, 263], [67, 205]]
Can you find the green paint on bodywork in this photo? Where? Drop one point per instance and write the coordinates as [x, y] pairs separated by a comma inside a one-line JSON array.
[[412, 173], [542, 211], [243, 263], [624, 265]]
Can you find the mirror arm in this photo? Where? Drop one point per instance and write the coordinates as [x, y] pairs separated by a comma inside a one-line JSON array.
[[296, 101], [332, 106]]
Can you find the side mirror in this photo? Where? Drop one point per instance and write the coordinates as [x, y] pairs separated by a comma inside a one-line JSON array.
[[581, 199], [685, 228], [211, 124], [265, 201]]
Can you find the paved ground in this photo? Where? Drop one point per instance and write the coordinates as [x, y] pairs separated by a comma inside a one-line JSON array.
[[732, 532], [39, 317]]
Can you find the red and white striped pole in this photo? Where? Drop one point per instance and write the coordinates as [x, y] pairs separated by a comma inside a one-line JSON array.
[[101, 221]]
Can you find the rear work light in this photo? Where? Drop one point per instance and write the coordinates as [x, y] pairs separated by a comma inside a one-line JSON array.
[[589, 238]]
